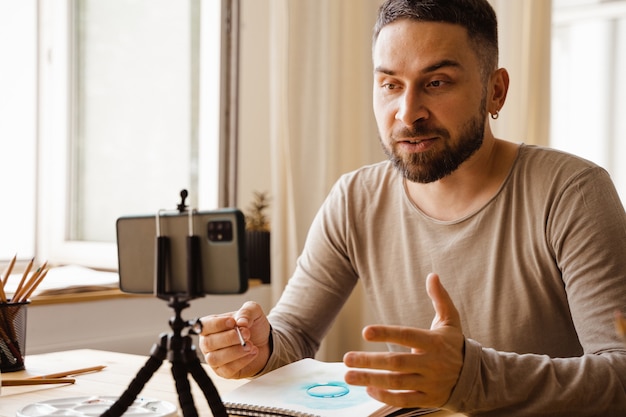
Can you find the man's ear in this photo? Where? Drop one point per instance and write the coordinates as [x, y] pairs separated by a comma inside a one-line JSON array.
[[498, 89]]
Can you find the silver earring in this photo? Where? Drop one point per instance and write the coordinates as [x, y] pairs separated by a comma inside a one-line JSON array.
[[495, 115]]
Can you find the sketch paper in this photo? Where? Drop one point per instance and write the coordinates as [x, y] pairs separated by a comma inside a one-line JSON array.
[[307, 388]]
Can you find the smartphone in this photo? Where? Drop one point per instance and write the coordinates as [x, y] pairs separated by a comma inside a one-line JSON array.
[[221, 251]]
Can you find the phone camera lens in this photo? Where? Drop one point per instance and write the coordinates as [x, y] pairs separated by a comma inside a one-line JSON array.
[[220, 231]]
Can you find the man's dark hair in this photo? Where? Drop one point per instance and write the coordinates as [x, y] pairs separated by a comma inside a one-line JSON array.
[[476, 16]]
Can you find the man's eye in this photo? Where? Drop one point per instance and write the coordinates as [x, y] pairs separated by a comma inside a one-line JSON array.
[[389, 86], [436, 83]]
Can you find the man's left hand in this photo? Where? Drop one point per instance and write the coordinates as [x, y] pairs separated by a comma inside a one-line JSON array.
[[423, 377]]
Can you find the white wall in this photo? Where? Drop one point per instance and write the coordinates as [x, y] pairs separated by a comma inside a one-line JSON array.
[[130, 325]]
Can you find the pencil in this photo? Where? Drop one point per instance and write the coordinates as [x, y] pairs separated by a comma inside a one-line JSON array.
[[5, 278], [7, 271], [34, 286], [19, 382], [24, 285], [3, 295], [70, 373], [8, 342], [8, 353], [31, 285], [243, 342], [26, 271]]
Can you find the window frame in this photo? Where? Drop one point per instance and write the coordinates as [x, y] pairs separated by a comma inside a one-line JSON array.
[[217, 116]]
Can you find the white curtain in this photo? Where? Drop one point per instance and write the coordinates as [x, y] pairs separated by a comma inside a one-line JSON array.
[[525, 28], [322, 123]]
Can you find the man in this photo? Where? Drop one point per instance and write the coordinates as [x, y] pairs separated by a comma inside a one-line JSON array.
[[527, 244]]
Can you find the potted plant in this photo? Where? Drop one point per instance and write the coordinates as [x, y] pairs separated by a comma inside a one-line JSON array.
[[258, 237]]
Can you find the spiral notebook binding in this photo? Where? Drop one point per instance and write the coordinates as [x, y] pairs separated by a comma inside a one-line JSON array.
[[247, 410]]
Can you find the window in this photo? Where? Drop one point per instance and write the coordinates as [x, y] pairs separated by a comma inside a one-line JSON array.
[[18, 90], [131, 110], [134, 111], [588, 91]]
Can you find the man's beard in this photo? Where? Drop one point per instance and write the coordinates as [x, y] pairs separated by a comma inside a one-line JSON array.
[[434, 164]]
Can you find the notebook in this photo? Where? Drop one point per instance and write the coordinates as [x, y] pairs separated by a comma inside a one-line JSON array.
[[308, 388]]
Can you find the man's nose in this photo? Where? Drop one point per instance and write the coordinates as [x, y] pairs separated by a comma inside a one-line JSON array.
[[411, 108]]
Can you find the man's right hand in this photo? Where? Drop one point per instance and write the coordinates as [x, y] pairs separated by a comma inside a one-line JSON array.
[[221, 346]]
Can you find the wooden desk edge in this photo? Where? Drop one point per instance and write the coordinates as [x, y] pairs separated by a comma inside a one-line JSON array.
[[85, 295]]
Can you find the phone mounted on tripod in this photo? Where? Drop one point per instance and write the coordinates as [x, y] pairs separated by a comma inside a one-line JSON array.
[[184, 264]]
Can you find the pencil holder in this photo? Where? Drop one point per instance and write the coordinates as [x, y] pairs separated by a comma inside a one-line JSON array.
[[12, 336]]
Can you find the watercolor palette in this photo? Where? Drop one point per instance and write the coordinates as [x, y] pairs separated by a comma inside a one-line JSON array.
[[94, 406]]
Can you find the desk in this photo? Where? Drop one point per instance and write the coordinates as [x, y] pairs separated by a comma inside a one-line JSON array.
[[120, 369]]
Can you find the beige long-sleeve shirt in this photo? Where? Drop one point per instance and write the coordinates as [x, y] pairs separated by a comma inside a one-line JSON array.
[[536, 275]]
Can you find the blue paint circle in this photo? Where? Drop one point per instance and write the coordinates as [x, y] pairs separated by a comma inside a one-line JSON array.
[[328, 390]]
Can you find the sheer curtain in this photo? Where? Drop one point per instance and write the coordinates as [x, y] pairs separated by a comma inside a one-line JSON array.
[[322, 123], [525, 37]]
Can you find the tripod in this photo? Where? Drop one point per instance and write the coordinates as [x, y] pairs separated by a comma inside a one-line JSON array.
[[184, 359], [177, 348]]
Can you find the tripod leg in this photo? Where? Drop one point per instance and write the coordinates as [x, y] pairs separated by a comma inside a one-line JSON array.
[[204, 382], [185, 399], [158, 354]]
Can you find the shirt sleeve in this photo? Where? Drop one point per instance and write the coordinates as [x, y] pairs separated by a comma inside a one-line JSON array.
[[317, 290], [587, 232]]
